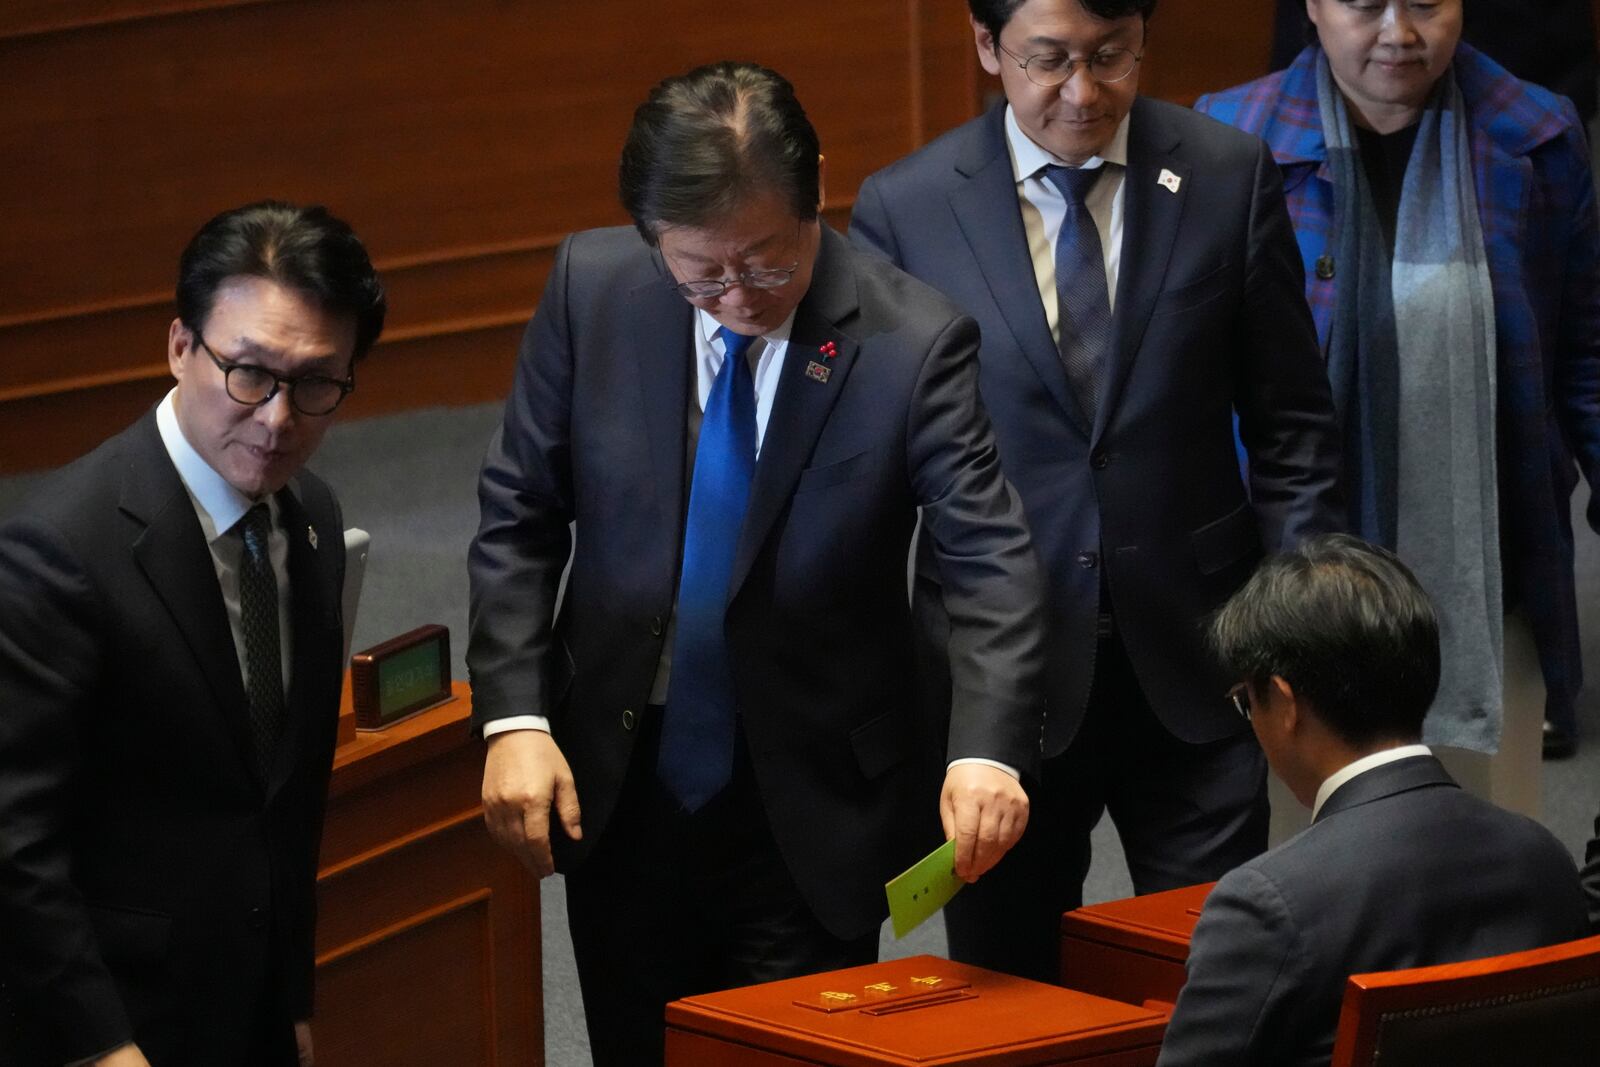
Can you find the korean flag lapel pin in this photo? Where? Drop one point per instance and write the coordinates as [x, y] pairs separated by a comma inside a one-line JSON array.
[[311, 536], [819, 372], [1168, 180]]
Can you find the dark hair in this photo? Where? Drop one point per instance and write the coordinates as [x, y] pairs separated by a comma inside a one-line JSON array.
[[300, 248], [705, 141], [994, 14], [1347, 625]]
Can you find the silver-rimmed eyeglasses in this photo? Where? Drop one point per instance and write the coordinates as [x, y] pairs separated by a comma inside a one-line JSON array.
[[1050, 69], [1240, 695], [252, 385], [766, 278]]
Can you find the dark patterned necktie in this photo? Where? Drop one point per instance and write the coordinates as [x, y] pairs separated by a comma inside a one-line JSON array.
[[1082, 303], [697, 728], [258, 619]]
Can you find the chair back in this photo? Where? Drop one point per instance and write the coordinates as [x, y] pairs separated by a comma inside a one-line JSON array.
[[1536, 1007]]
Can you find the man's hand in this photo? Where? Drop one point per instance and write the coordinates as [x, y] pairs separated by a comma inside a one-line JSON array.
[[302, 1043], [985, 810], [126, 1056], [524, 776]]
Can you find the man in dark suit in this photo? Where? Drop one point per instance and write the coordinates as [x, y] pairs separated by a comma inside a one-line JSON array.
[[742, 414], [170, 647], [1135, 278], [1337, 647]]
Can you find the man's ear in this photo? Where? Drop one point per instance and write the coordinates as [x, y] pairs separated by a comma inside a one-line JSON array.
[[180, 342], [988, 53], [1284, 702]]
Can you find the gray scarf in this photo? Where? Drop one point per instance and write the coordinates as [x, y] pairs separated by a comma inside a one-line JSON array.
[[1411, 357]]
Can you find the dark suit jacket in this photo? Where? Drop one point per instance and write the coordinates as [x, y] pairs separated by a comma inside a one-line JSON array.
[[1401, 869], [1209, 319], [151, 886], [817, 618]]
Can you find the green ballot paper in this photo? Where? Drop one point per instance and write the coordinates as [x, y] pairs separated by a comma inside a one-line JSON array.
[[924, 889]]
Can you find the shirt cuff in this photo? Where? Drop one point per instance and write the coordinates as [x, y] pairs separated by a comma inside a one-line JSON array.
[[515, 722], [996, 764]]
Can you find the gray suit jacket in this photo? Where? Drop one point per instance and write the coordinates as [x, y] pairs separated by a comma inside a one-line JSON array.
[[1402, 868]]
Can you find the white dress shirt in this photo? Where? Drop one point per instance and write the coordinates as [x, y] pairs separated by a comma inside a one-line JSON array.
[[1362, 766], [1044, 209], [219, 506]]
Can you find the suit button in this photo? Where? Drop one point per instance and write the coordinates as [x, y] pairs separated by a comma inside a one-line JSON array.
[[1088, 560], [629, 719], [1099, 461], [258, 918], [655, 626], [1324, 268]]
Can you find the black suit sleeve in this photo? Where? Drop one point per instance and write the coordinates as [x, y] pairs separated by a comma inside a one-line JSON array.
[[49, 658], [525, 498], [989, 575], [1286, 416]]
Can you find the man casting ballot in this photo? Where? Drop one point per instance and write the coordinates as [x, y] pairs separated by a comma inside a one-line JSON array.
[[718, 739], [170, 657]]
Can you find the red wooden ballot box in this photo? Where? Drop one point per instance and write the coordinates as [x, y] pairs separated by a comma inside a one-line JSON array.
[[923, 1010], [1131, 950]]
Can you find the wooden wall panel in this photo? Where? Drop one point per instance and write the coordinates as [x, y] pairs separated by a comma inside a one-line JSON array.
[[462, 140]]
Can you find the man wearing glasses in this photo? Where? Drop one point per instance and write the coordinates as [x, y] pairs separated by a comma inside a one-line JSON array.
[[717, 740], [1134, 275], [170, 661], [1337, 646]]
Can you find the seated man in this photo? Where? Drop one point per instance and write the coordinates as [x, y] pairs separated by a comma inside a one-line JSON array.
[[1338, 647]]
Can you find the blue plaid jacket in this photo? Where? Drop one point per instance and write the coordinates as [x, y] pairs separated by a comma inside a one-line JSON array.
[[1536, 202]]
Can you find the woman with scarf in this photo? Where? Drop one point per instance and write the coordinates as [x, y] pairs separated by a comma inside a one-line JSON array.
[[1446, 217]]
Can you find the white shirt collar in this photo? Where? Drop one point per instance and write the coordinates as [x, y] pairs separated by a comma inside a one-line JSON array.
[[1362, 766], [709, 326], [218, 504], [1028, 158]]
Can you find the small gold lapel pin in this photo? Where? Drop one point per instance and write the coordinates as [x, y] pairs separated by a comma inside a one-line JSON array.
[[817, 372], [311, 535]]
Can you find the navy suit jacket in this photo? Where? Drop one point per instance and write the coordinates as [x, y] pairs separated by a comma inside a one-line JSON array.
[[152, 886], [1402, 868], [1209, 319], [817, 619]]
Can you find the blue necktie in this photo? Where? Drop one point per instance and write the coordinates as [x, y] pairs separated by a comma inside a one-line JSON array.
[[697, 730], [1083, 307]]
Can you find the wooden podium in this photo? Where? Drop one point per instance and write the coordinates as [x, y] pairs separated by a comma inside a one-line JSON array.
[[427, 933], [1132, 950], [923, 1010]]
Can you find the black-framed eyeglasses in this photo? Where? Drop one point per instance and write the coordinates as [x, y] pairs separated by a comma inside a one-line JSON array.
[[766, 278], [1050, 69], [252, 385], [1240, 695]]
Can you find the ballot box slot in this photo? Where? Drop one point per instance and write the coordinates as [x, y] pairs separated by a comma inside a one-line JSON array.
[[932, 1000]]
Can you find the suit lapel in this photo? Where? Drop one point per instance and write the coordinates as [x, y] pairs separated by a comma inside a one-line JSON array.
[[176, 560], [1151, 216], [313, 583], [990, 218], [802, 403], [662, 322]]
